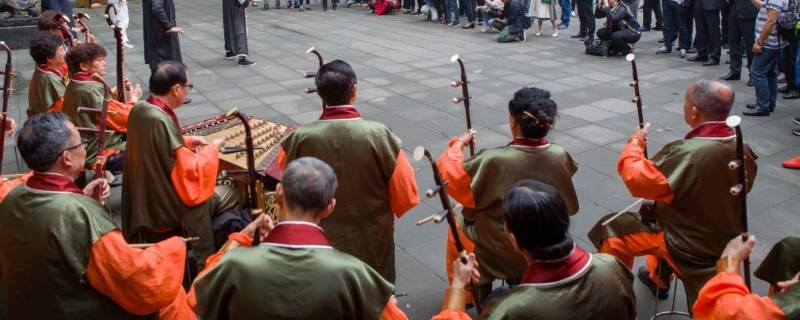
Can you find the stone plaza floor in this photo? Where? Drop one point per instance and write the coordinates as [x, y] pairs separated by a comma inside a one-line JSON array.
[[404, 71]]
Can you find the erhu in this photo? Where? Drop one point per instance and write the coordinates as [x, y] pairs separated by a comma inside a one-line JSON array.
[[465, 98], [102, 120], [122, 84], [79, 18], [7, 74], [312, 74], [63, 23], [447, 214], [740, 189]]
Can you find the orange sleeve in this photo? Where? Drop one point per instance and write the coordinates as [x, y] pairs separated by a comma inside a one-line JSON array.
[[57, 105], [178, 310], [725, 296], [640, 175], [451, 315], [194, 175], [451, 167], [139, 281], [118, 113], [392, 312], [402, 186], [6, 186], [282, 158]]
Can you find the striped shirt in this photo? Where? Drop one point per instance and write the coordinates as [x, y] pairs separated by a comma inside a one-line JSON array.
[[773, 41]]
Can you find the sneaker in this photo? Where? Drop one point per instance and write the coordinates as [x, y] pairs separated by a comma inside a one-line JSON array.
[[683, 53], [644, 277], [796, 132], [797, 121], [230, 55], [793, 163], [572, 13], [128, 45], [663, 50], [243, 62]]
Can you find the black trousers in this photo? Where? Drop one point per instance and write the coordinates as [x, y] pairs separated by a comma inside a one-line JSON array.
[[788, 56], [325, 3], [618, 40], [707, 40], [653, 6], [586, 16], [725, 24], [741, 36]]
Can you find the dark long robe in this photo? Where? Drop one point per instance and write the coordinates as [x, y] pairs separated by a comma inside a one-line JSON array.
[[234, 24], [158, 16]]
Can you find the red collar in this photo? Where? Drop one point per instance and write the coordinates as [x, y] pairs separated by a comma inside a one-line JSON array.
[[295, 234], [52, 182], [531, 143], [163, 106], [711, 129], [82, 76], [554, 272], [46, 68], [344, 112]]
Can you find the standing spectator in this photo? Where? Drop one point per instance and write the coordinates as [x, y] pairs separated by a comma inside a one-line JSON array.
[[512, 25], [469, 10], [234, 26], [586, 17], [566, 10], [741, 31], [160, 32], [544, 10], [789, 57], [707, 40], [651, 7], [766, 55], [123, 19], [675, 16], [633, 8], [451, 12]]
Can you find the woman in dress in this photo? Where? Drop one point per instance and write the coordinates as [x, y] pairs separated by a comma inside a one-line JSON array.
[[543, 10]]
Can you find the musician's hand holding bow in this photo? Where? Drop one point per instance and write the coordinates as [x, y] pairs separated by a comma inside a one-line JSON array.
[[467, 137], [175, 29], [134, 92], [264, 225], [11, 126], [90, 190], [640, 133], [90, 38], [465, 273]]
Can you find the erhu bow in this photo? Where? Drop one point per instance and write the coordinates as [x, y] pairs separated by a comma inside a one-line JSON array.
[[740, 189], [465, 98], [448, 213], [79, 18], [312, 74], [6, 95], [121, 83]]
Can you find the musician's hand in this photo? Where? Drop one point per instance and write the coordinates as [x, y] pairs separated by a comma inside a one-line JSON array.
[[219, 143], [264, 224], [463, 274], [102, 185], [91, 39], [785, 285], [466, 137], [175, 29], [11, 126], [641, 133], [196, 141], [135, 93], [738, 249]]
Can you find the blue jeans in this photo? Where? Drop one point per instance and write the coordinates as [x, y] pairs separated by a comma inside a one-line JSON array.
[[675, 16], [566, 9], [451, 11], [765, 78]]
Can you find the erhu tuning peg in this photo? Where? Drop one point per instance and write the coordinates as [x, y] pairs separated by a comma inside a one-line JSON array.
[[430, 193], [734, 164], [736, 190], [457, 100]]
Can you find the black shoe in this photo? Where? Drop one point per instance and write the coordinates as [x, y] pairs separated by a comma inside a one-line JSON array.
[[230, 55], [578, 35], [691, 50], [726, 45], [243, 62], [658, 28], [755, 113], [797, 121], [646, 29], [784, 89], [796, 132], [662, 40], [324, 8], [697, 58], [470, 25], [794, 94], [732, 75], [644, 277], [750, 83], [710, 62], [664, 50]]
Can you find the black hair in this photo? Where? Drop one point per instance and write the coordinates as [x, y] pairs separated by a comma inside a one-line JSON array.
[[166, 75], [49, 20], [309, 184], [84, 53], [536, 214], [45, 46], [42, 139], [534, 111], [334, 82]]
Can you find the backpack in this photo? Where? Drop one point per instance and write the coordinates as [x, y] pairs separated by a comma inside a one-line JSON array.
[[597, 48]]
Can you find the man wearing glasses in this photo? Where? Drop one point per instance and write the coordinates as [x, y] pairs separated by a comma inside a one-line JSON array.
[[170, 179], [58, 246]]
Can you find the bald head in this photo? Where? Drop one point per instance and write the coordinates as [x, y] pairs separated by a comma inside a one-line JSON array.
[[714, 99]]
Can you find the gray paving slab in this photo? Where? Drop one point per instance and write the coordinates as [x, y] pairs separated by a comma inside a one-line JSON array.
[[404, 71]]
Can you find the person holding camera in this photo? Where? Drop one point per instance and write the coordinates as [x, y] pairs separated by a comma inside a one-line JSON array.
[[620, 28]]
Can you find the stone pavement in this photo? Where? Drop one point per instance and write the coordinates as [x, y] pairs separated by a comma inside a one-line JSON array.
[[404, 71]]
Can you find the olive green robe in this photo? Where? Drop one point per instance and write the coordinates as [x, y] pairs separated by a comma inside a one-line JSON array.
[[603, 291], [493, 172], [89, 94], [45, 240], [363, 155], [45, 88], [783, 263]]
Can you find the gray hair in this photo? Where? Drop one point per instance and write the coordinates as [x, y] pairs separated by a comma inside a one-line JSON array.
[[308, 184], [713, 98], [42, 139]]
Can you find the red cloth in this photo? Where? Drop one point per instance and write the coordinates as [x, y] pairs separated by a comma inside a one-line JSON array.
[[163, 105], [52, 182], [383, 7], [340, 113]]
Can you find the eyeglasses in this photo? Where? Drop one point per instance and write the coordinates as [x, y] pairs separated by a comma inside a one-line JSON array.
[[189, 85], [82, 143]]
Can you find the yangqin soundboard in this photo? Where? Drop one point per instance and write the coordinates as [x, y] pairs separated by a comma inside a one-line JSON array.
[[267, 137]]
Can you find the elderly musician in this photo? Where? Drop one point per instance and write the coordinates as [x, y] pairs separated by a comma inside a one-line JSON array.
[[62, 256], [48, 83]]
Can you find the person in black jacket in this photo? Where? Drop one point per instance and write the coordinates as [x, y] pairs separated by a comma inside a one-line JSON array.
[[620, 27], [707, 39], [512, 23], [160, 32], [234, 26], [741, 30]]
